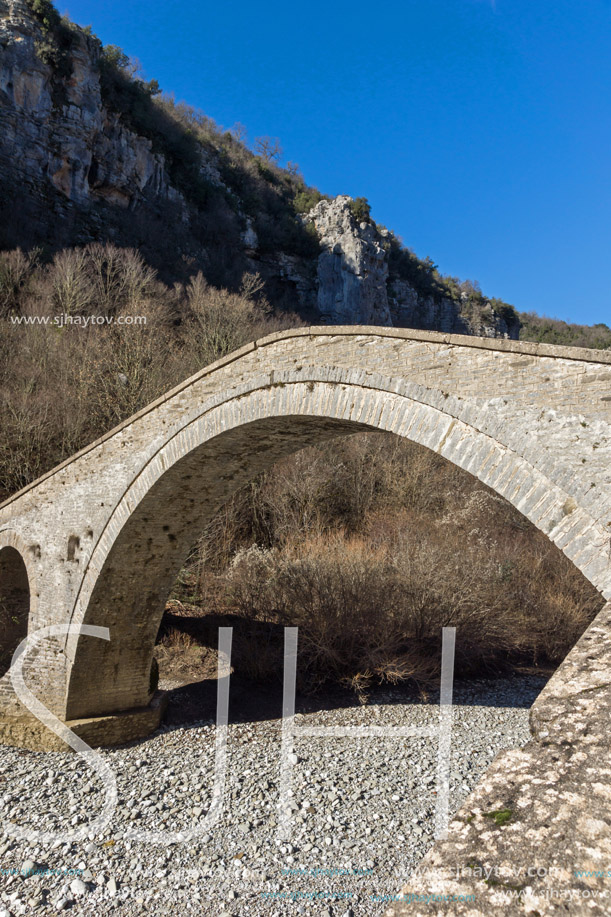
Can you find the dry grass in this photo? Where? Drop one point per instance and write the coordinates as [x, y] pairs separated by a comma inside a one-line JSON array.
[[177, 639]]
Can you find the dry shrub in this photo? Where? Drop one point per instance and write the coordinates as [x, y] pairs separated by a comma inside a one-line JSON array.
[[371, 545], [374, 611], [219, 321], [63, 387], [354, 483], [176, 638]]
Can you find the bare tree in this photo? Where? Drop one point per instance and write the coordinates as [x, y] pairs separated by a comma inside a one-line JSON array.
[[15, 270], [251, 286], [269, 148], [293, 169], [239, 132]]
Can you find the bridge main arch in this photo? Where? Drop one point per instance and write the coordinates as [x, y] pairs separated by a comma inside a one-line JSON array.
[[226, 444], [106, 532]]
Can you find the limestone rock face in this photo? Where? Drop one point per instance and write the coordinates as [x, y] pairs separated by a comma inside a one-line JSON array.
[[352, 268], [355, 285], [411, 310], [68, 138]]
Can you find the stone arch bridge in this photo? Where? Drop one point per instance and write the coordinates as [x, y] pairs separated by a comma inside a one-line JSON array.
[[100, 539]]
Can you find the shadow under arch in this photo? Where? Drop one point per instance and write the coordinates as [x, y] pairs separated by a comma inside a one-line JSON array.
[[138, 556], [14, 603]]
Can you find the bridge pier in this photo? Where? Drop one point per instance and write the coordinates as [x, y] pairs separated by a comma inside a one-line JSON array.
[[23, 730]]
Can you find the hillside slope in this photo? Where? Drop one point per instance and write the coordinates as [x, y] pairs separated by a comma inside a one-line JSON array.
[[88, 152]]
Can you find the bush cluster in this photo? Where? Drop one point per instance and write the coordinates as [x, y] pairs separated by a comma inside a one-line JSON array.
[[58, 36], [360, 209], [306, 199]]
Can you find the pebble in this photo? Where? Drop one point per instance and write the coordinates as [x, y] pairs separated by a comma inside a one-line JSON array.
[[27, 868], [78, 888]]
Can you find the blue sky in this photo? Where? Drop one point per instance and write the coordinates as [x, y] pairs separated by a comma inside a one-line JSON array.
[[479, 130]]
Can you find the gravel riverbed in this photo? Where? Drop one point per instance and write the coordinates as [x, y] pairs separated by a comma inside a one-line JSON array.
[[362, 811]]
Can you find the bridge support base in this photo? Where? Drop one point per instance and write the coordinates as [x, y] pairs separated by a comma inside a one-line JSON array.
[[25, 731]]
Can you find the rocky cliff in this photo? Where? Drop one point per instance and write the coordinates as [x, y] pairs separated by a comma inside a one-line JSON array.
[[57, 134], [356, 282], [87, 152], [63, 153]]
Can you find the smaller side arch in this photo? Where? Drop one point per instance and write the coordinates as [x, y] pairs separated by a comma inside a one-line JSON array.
[[15, 597]]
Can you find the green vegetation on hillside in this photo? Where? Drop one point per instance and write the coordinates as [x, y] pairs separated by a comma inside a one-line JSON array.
[[424, 276], [189, 139], [252, 184], [543, 330]]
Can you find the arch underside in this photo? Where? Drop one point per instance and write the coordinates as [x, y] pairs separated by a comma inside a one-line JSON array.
[[131, 591], [144, 545]]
